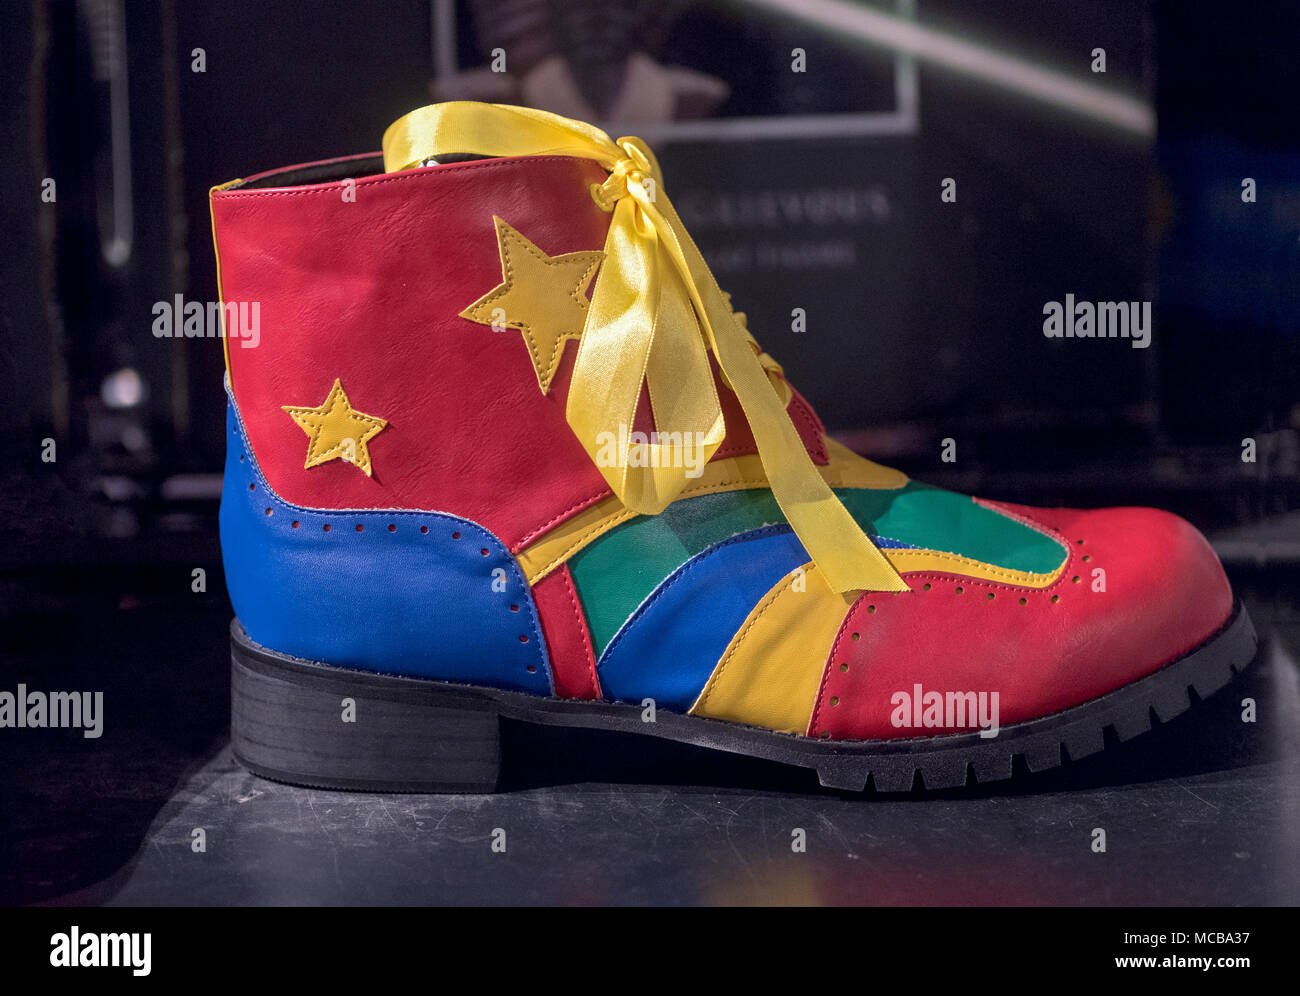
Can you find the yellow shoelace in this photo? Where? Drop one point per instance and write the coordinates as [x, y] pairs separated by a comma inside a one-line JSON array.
[[656, 313]]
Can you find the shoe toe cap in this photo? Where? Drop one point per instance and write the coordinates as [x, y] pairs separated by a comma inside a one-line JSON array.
[[1149, 589], [1139, 588]]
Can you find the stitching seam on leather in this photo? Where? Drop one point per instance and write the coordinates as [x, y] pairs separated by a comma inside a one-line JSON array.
[[681, 572], [739, 639], [1006, 573], [403, 175], [582, 632], [815, 719]]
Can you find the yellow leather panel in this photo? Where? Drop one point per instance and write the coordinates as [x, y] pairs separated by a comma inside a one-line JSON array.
[[910, 561], [772, 668]]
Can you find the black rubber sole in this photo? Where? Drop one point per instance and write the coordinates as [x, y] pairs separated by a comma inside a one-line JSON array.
[[312, 724]]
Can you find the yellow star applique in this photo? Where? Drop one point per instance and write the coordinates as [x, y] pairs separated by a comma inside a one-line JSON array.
[[544, 297], [337, 430]]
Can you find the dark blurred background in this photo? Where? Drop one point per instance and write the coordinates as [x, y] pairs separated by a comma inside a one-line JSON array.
[[817, 190]]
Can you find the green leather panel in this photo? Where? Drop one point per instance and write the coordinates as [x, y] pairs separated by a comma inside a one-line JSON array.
[[933, 519], [616, 572]]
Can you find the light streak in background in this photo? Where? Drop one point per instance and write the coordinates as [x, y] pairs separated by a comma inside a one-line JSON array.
[[981, 62]]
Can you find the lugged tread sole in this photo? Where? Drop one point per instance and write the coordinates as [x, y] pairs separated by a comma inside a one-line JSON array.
[[288, 723]]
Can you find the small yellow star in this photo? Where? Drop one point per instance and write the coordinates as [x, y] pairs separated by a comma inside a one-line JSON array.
[[337, 431], [544, 297]]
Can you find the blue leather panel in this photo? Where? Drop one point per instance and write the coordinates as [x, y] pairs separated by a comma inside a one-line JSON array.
[[668, 648], [434, 597]]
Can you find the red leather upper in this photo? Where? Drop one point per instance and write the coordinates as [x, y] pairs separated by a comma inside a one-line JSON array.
[[371, 292], [568, 640], [1165, 594]]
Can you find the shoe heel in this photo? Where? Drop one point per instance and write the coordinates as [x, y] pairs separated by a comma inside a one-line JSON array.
[[311, 724]]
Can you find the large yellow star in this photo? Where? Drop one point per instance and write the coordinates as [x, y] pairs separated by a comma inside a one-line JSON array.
[[544, 297], [337, 430]]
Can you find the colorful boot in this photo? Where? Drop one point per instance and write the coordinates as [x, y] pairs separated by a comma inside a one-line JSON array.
[[438, 512]]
